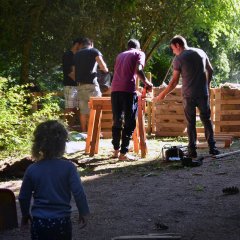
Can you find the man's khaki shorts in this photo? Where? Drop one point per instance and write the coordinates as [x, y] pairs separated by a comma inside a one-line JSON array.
[[85, 91]]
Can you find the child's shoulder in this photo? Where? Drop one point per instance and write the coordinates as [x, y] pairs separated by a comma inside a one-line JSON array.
[[54, 161]]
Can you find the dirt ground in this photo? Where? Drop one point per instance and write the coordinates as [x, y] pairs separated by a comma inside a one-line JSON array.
[[143, 197]]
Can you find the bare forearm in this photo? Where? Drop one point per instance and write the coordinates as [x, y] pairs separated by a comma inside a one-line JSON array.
[[142, 76], [102, 64], [171, 86], [72, 75]]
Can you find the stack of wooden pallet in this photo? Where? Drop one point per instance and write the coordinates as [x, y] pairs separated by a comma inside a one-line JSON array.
[[168, 116], [223, 140], [227, 111]]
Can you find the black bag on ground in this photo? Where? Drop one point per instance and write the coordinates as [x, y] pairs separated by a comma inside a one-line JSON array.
[[104, 80]]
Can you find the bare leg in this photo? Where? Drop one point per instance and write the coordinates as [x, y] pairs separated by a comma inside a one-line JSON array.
[[84, 122], [69, 115]]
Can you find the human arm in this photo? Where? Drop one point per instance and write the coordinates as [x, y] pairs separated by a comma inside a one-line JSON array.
[[172, 84], [79, 196], [209, 71], [143, 77], [101, 63], [25, 199]]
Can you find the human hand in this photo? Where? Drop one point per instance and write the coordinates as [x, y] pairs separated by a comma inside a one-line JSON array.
[[148, 86], [83, 221], [25, 222], [138, 93]]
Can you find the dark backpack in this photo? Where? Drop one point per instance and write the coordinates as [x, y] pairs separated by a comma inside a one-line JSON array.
[[104, 80]]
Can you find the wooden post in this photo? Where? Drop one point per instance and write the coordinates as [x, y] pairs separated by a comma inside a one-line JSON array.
[[96, 132], [90, 130], [142, 132], [136, 138], [149, 108], [217, 110]]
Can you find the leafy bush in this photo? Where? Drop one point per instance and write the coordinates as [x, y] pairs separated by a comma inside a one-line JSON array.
[[17, 118]]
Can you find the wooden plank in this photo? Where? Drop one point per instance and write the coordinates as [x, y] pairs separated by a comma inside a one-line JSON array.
[[171, 117], [106, 134], [142, 132], [105, 125], [229, 112], [136, 138], [106, 115], [228, 101], [103, 107], [200, 130], [169, 134], [234, 133], [228, 123], [172, 125], [95, 134], [149, 118], [205, 145], [216, 137], [90, 130]]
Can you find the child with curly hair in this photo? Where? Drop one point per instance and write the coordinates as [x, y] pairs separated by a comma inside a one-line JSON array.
[[50, 181]]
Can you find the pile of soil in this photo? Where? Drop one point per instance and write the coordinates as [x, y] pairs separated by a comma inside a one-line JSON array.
[[150, 196]]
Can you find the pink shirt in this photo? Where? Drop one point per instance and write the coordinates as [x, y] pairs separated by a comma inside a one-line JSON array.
[[125, 75]]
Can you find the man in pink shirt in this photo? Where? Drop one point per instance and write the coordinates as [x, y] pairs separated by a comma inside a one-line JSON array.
[[128, 66]]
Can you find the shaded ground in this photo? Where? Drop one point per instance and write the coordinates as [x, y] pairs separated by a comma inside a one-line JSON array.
[[129, 198]]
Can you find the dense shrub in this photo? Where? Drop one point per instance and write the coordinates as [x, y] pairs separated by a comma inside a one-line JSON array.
[[17, 120]]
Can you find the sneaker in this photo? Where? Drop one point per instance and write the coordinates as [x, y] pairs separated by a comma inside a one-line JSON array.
[[214, 151], [115, 154], [126, 157], [192, 153]]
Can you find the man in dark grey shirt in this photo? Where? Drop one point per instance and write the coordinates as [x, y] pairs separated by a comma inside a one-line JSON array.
[[196, 71]]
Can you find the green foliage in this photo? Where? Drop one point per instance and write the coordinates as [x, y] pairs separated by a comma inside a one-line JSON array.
[[160, 65], [33, 45], [17, 121]]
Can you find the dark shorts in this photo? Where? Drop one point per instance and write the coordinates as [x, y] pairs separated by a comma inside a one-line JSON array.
[[51, 228]]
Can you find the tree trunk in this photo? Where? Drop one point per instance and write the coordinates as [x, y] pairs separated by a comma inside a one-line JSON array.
[[30, 29]]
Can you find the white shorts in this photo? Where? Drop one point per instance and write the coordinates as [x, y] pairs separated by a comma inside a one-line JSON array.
[[71, 96]]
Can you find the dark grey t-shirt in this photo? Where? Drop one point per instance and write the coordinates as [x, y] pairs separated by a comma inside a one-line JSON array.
[[86, 65], [191, 64]]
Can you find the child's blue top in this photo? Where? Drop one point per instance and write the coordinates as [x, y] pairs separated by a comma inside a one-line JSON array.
[[51, 183]]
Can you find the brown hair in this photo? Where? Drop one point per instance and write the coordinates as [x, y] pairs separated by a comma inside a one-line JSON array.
[[180, 40], [49, 140]]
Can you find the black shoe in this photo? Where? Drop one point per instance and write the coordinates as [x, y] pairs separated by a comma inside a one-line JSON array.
[[214, 151], [192, 153]]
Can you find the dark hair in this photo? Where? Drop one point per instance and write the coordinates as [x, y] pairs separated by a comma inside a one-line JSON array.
[[49, 140], [77, 40], [179, 40], [133, 43], [86, 41]]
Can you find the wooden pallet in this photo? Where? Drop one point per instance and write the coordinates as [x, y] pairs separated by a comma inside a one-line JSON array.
[[227, 107], [168, 117], [222, 140]]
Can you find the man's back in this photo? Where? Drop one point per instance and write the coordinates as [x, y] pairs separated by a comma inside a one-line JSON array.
[[191, 63], [86, 65], [124, 78]]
